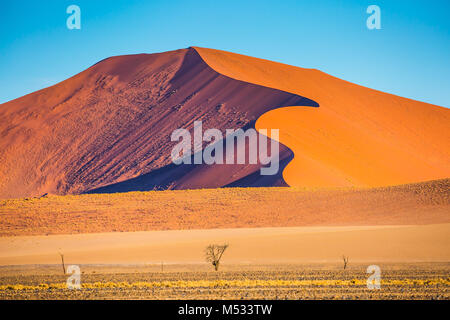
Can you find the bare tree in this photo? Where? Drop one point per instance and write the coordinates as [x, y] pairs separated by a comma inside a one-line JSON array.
[[214, 253], [62, 262], [345, 261]]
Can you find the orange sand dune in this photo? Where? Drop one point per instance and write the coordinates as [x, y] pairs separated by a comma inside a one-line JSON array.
[[357, 136], [107, 129]]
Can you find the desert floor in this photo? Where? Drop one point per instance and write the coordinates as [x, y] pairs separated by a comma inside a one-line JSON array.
[[264, 263], [188, 281], [283, 243]]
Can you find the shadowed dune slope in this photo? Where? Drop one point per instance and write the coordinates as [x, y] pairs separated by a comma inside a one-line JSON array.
[[110, 125], [357, 137]]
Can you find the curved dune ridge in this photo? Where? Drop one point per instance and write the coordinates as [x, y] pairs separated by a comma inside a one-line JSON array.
[[357, 137], [108, 128]]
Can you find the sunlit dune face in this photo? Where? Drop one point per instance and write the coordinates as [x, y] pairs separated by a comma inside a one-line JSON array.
[[332, 153], [356, 137], [315, 149]]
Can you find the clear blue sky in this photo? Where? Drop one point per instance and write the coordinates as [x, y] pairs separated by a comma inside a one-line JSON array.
[[409, 56]]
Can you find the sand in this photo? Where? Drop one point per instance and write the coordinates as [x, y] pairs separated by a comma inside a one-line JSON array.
[[374, 244], [108, 129]]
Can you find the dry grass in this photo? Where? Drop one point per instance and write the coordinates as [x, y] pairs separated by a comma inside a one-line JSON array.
[[420, 203], [399, 281]]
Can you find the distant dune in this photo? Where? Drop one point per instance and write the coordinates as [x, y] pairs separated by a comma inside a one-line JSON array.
[[413, 204], [107, 129]]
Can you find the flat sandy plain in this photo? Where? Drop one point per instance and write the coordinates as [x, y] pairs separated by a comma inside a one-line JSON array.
[[372, 244]]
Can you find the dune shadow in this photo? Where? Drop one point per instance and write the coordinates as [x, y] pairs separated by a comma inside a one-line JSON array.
[[195, 176]]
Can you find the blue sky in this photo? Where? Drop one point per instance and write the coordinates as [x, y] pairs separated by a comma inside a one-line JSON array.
[[409, 56]]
